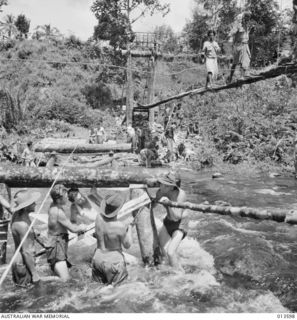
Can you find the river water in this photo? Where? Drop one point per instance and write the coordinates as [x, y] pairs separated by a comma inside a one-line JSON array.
[[231, 264]]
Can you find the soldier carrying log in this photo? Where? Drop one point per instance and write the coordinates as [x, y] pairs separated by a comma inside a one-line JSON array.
[[108, 263], [175, 224]]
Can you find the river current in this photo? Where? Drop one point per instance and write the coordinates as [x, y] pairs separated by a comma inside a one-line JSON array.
[[231, 264]]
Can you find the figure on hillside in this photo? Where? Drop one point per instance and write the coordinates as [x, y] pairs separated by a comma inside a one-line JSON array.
[[175, 224], [169, 135], [239, 36], [139, 140], [192, 130], [92, 135], [211, 50], [4, 204], [24, 271], [101, 135], [149, 153], [108, 263], [28, 155], [58, 226], [7, 154], [131, 137], [166, 120], [52, 160]]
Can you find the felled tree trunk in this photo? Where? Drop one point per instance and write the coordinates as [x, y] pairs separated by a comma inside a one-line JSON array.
[[277, 215], [18, 176], [93, 164], [80, 147]]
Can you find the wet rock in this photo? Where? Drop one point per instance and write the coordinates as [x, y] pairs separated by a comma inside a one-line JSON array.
[[216, 175], [274, 174], [222, 203], [191, 254]]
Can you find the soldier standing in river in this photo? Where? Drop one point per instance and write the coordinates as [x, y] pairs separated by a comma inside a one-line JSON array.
[[23, 269], [108, 263], [58, 226]]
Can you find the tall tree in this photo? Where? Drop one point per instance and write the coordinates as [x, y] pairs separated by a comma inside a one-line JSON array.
[[221, 14], [115, 21], [8, 27], [116, 18], [23, 25], [47, 32], [3, 3], [265, 40], [166, 36], [210, 14]]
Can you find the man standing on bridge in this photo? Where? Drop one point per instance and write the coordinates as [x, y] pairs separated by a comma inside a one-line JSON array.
[[239, 36]]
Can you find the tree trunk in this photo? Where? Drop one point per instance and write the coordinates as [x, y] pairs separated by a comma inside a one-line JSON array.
[[151, 87], [278, 215], [130, 93], [18, 177], [80, 147], [146, 232], [93, 164]]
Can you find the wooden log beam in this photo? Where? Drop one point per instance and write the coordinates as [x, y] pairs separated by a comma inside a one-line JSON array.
[[278, 215], [146, 231], [93, 164], [289, 68], [80, 147], [18, 177]]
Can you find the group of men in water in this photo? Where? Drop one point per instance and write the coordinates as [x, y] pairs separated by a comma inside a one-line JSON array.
[[112, 235]]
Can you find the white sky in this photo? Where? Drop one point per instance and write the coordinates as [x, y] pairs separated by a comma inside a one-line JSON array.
[[75, 16]]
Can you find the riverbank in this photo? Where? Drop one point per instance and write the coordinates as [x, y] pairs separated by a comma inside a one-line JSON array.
[[203, 154]]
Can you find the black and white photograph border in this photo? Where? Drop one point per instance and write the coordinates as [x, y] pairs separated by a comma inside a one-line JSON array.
[[148, 159]]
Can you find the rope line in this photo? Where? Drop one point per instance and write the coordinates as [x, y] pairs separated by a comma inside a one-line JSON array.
[[112, 66], [33, 221]]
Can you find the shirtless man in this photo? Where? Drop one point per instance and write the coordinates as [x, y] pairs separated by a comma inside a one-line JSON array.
[[149, 153], [108, 263], [23, 268], [28, 155], [58, 226], [175, 224], [84, 209], [4, 203]]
